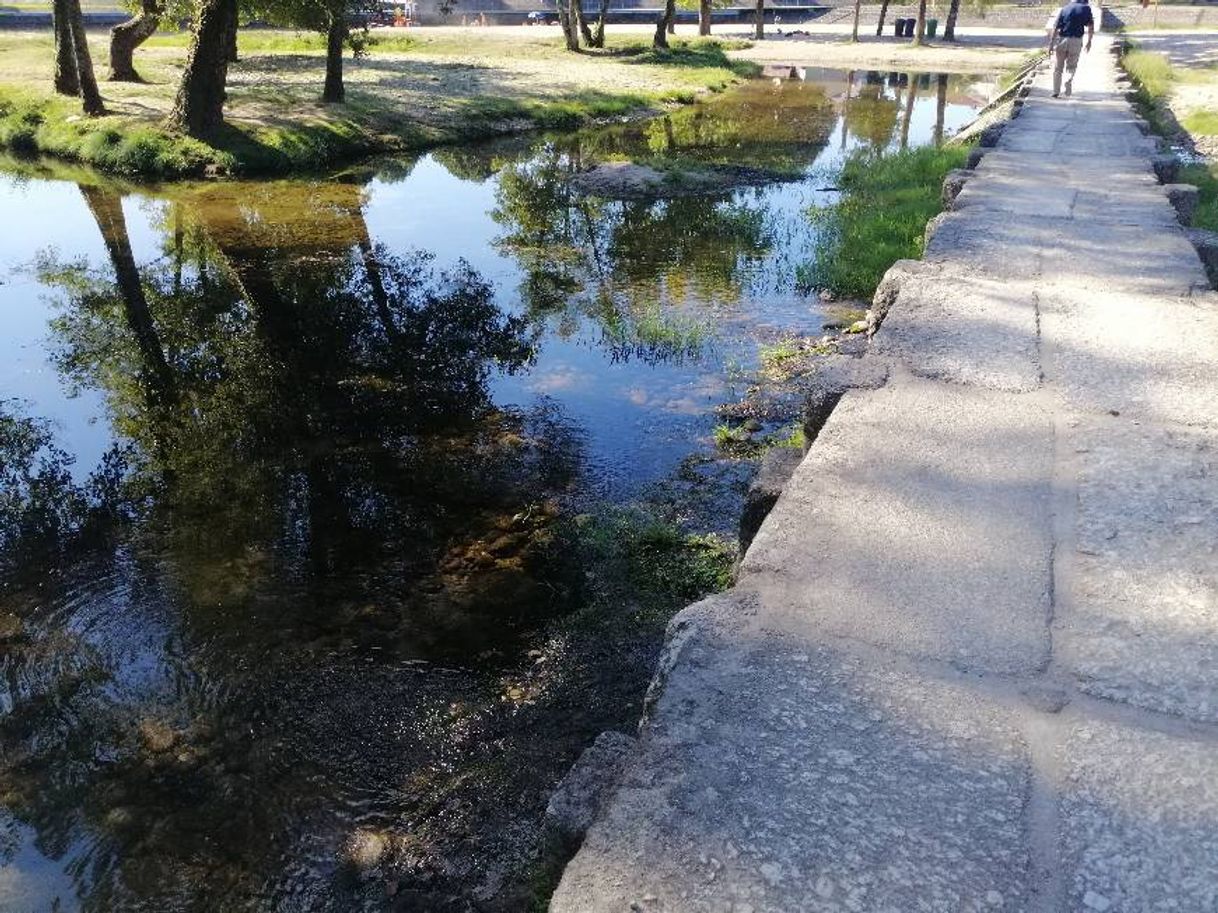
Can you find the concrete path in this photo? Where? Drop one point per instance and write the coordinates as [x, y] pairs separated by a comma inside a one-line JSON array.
[[972, 660]]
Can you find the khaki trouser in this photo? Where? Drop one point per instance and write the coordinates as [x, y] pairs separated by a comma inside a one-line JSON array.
[[1068, 50]]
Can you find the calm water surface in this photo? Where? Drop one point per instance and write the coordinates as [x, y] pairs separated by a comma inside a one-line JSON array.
[[293, 477]]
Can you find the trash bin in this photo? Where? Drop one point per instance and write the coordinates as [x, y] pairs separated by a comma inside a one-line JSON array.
[[898, 27], [932, 28], [910, 24]]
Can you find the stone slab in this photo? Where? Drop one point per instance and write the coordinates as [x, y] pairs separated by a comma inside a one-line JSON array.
[[920, 522], [1146, 356], [1139, 820], [775, 778], [986, 243], [1140, 622], [966, 330], [1100, 257]]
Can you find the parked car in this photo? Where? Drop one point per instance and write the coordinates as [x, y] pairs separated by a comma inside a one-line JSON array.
[[542, 17]]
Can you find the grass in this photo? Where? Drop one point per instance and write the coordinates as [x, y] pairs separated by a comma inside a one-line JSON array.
[[1205, 178], [31, 123], [410, 92], [887, 201], [1154, 78], [1201, 123]]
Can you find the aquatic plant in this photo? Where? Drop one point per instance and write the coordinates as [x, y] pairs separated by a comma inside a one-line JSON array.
[[881, 217]]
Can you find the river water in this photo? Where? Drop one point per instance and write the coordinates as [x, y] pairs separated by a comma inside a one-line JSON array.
[[337, 516]]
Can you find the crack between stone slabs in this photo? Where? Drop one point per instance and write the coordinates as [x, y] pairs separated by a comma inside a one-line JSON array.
[[1019, 692], [1043, 734]]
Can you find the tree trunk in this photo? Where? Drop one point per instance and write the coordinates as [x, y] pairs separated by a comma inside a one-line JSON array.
[[879, 29], [759, 28], [949, 29], [335, 92], [67, 80], [577, 8], [91, 99], [107, 209], [199, 107], [570, 29], [661, 36], [940, 109], [231, 38], [672, 24], [125, 38], [920, 25], [704, 17], [598, 37], [858, 9]]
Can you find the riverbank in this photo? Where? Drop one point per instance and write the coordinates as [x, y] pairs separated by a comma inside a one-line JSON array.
[[410, 92], [1176, 90], [414, 90]]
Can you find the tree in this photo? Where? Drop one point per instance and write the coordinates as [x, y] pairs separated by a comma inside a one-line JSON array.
[[879, 28], [854, 32], [67, 82], [568, 19], [198, 109], [949, 28], [598, 36], [663, 24], [759, 27], [336, 36], [73, 65], [920, 26], [129, 35], [704, 8]]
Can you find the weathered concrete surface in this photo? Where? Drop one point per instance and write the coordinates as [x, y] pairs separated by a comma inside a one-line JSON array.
[[1143, 626], [777, 776], [885, 535], [1138, 814], [972, 660], [970, 330]]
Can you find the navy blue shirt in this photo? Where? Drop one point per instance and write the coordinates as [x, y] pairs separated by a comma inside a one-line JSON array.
[[1072, 20]]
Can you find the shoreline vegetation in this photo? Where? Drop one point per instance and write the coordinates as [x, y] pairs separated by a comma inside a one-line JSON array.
[[1157, 81], [880, 219], [406, 93]]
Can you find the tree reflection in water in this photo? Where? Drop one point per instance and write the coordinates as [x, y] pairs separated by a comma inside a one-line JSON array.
[[281, 624], [315, 477]]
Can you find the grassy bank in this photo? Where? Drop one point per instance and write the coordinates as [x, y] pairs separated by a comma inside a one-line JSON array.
[[1158, 87], [886, 202], [410, 92], [1153, 77]]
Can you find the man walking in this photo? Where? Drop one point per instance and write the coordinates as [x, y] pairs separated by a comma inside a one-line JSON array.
[[1066, 34]]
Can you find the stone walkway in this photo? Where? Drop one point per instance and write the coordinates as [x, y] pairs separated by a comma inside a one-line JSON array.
[[972, 660]]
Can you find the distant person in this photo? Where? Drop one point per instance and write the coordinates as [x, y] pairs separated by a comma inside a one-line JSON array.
[[1066, 28]]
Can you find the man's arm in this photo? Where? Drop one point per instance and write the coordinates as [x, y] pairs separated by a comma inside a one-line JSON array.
[[1051, 31], [1090, 27]]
